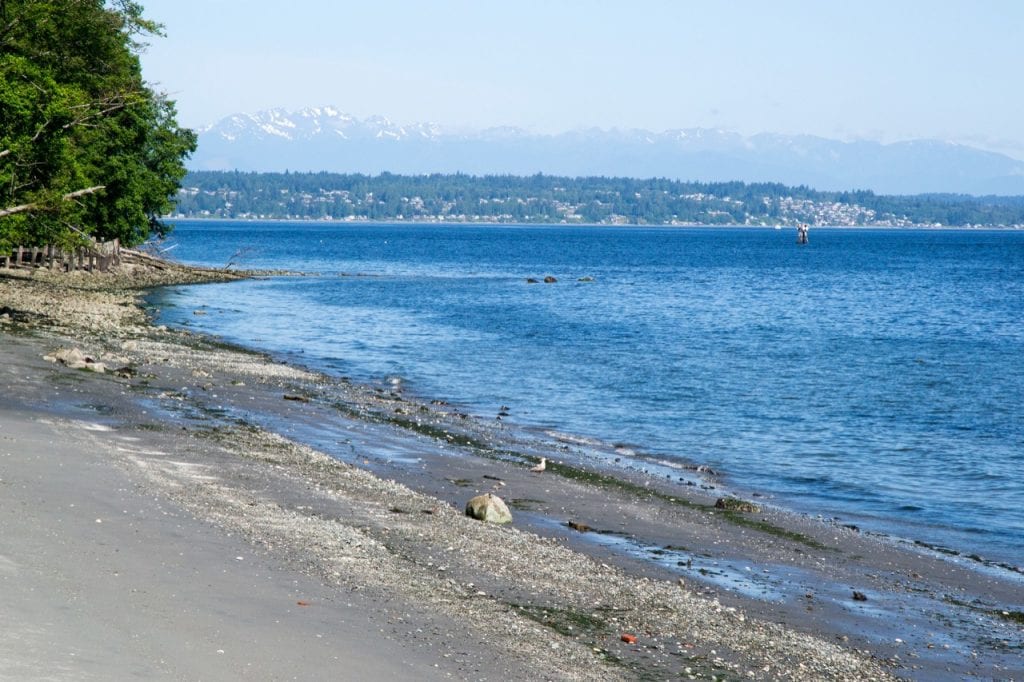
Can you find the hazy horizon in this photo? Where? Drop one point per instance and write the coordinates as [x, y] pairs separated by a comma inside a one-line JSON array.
[[874, 71]]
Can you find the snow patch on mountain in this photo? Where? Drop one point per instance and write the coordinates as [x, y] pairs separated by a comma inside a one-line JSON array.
[[325, 138]]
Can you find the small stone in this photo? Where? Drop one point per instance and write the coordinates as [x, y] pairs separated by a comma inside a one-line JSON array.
[[859, 596], [549, 280]]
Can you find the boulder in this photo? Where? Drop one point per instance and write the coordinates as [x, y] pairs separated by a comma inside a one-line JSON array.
[[549, 280], [70, 357], [489, 508], [75, 359]]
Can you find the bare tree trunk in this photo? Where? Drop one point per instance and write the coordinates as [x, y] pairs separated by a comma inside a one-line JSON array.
[[67, 197]]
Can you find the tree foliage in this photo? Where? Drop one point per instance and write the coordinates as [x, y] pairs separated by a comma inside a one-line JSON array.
[[86, 146], [553, 199]]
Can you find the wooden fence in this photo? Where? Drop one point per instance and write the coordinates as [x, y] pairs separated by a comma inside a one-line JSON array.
[[99, 256]]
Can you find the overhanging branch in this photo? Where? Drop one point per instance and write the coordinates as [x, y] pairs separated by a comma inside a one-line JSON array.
[[37, 205]]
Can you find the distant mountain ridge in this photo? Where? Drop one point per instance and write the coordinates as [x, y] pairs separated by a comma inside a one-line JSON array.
[[327, 139]]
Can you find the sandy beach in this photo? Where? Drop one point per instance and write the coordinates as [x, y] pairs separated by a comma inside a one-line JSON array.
[[172, 517]]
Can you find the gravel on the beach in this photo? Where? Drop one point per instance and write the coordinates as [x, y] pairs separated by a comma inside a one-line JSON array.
[[495, 593]]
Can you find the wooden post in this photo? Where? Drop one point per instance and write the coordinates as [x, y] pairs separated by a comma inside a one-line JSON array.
[[17, 263]]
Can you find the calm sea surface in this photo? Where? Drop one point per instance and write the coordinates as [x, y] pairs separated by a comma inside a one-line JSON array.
[[873, 375]]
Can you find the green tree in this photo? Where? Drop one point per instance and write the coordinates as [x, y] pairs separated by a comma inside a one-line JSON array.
[[86, 146]]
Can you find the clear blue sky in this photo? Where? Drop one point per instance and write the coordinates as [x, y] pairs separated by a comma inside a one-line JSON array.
[[884, 70]]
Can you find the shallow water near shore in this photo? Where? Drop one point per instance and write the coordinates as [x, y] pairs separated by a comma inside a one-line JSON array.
[[872, 375]]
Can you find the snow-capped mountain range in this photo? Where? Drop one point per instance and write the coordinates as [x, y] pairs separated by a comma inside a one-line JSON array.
[[314, 123], [327, 139]]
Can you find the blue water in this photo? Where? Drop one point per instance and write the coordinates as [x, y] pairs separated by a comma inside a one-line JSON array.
[[874, 375]]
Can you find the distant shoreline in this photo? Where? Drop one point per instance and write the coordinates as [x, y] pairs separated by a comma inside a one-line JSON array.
[[625, 226], [546, 199]]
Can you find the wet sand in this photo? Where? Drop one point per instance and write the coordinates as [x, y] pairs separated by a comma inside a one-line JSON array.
[[198, 455], [102, 580]]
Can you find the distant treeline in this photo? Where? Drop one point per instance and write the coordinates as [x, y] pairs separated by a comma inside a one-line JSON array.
[[553, 199]]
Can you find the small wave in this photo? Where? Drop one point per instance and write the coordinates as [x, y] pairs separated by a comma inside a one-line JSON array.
[[575, 440], [804, 479]]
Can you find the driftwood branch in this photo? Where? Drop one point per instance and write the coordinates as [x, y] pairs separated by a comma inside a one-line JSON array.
[[136, 256], [36, 205]]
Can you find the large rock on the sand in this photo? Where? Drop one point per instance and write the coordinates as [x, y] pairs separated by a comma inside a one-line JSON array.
[[489, 508], [72, 357], [76, 359]]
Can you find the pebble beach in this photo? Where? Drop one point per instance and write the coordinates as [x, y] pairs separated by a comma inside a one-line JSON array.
[[167, 514]]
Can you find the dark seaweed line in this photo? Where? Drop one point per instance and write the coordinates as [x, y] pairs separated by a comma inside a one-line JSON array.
[[574, 473]]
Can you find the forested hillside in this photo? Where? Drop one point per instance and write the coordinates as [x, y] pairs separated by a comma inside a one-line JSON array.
[[551, 199]]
